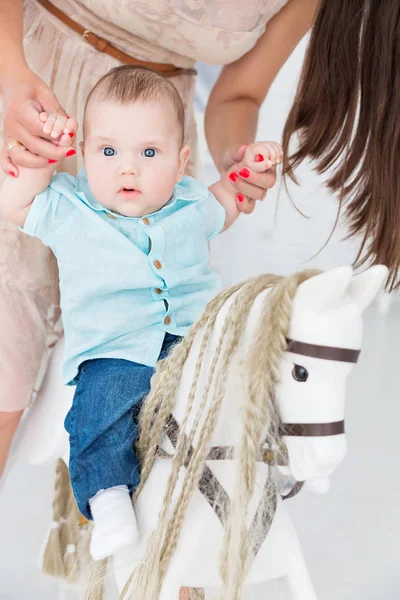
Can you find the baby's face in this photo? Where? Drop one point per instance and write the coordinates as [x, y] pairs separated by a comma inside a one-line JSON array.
[[133, 155]]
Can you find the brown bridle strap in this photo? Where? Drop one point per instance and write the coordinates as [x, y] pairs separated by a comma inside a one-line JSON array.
[[266, 455], [324, 352], [298, 486], [312, 429]]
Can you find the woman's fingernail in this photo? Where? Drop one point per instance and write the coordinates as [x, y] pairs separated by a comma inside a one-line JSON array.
[[258, 158], [71, 152], [51, 161], [244, 173], [233, 176], [71, 134], [12, 173], [240, 197]]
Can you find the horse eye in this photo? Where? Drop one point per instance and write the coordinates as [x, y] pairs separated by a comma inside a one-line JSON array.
[[300, 373]]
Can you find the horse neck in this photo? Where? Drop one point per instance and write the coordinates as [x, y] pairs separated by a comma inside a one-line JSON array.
[[228, 427]]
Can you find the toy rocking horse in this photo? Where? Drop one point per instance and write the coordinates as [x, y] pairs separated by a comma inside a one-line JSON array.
[[254, 394]]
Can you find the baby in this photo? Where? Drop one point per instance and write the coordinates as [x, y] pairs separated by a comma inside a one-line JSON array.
[[130, 234]]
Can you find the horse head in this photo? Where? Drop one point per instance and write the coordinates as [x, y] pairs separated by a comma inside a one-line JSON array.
[[324, 341]]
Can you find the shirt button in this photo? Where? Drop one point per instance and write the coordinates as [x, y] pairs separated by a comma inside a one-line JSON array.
[[157, 264], [145, 221], [167, 320], [110, 216], [158, 291]]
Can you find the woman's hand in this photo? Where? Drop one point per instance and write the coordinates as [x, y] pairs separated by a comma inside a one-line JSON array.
[[252, 171], [25, 97]]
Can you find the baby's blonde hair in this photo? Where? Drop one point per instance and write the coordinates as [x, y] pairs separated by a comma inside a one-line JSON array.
[[129, 84]]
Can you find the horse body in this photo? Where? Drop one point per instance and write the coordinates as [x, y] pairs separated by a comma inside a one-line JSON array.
[[196, 560]]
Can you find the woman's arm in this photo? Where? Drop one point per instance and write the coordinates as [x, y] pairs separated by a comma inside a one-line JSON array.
[[11, 34], [25, 95], [232, 110]]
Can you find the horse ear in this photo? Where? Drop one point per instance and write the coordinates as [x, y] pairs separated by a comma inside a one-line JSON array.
[[324, 289], [364, 287]]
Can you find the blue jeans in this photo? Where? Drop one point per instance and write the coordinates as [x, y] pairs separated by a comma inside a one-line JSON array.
[[102, 424]]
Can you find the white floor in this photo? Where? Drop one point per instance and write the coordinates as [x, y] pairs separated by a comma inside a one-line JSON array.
[[350, 537]]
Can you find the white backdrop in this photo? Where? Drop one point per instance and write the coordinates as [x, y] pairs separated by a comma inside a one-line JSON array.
[[350, 536]]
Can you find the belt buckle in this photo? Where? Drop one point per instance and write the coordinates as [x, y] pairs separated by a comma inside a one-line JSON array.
[[86, 33]]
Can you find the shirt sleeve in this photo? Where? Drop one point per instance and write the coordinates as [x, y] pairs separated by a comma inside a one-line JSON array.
[[214, 215], [40, 221]]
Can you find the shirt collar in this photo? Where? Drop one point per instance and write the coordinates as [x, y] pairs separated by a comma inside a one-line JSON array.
[[182, 191], [83, 192]]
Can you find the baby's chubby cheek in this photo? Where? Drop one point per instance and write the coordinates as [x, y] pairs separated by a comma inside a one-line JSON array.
[[101, 187], [160, 188]]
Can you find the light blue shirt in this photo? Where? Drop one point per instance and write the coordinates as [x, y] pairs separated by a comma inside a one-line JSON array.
[[126, 281]]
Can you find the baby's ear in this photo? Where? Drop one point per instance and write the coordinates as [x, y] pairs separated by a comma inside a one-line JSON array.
[[183, 158]]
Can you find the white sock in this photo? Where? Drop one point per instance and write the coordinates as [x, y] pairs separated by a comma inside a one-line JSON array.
[[114, 521]]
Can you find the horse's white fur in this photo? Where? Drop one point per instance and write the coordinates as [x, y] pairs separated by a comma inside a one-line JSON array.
[[326, 310]]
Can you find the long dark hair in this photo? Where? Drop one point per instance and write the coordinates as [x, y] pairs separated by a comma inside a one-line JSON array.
[[347, 114]]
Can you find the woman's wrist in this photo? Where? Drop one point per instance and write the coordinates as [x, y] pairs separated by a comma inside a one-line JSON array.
[[229, 124], [13, 72]]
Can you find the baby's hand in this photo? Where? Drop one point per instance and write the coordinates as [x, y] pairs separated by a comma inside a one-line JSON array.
[[61, 128], [262, 156], [255, 173]]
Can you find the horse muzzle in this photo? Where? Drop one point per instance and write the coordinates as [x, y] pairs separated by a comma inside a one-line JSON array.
[[314, 457]]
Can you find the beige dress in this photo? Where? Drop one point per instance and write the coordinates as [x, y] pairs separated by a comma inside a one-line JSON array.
[[172, 31]]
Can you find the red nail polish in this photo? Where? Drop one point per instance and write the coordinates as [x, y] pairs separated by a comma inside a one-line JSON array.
[[258, 158], [51, 161], [68, 117], [71, 152], [244, 173], [71, 134], [233, 176], [240, 197], [12, 173]]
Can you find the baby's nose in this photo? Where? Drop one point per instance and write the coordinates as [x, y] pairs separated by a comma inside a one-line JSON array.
[[129, 169], [128, 164]]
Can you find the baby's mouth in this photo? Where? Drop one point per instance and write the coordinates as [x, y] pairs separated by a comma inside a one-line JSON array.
[[128, 192]]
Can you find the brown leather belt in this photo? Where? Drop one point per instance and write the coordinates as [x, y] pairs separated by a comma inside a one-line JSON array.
[[102, 45]]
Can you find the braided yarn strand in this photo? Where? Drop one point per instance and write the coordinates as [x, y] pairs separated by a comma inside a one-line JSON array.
[[53, 558], [259, 416]]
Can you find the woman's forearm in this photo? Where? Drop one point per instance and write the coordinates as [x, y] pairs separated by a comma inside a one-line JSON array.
[[232, 111], [11, 35], [230, 123]]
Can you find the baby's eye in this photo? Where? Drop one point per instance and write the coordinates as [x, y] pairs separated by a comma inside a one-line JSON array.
[[149, 152], [108, 151]]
